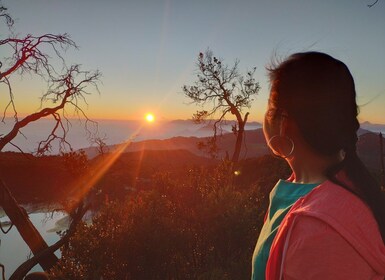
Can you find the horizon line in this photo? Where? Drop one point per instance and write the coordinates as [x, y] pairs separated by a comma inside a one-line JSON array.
[[167, 120]]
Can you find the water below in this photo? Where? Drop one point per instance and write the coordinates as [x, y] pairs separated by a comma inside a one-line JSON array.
[[14, 251]]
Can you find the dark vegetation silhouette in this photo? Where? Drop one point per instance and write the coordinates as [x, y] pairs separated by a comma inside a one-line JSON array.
[[198, 223], [225, 91]]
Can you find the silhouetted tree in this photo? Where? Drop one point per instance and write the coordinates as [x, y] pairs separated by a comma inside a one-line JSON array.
[[30, 55], [225, 91], [67, 88], [101, 145]]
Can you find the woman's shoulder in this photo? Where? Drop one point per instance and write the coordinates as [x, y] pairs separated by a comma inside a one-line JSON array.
[[342, 213], [313, 241], [328, 216], [341, 209], [329, 197]]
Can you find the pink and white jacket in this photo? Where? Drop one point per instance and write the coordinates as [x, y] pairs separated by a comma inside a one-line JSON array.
[[328, 234]]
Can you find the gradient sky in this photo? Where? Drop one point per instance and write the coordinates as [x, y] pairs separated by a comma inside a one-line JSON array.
[[146, 49]]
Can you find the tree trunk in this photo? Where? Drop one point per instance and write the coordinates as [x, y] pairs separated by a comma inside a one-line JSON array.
[[28, 232], [238, 143], [24, 268], [240, 133]]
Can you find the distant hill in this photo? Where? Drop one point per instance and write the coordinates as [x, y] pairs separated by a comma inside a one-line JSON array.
[[253, 146], [362, 131], [368, 149], [373, 127]]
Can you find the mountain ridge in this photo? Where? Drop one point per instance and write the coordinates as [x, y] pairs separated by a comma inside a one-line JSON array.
[[254, 145]]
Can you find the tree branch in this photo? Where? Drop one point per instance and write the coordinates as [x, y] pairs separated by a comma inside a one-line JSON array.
[[65, 90], [8, 19], [374, 3]]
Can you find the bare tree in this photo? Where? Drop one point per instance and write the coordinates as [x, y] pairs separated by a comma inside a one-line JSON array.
[[29, 55], [101, 145], [221, 88], [67, 87]]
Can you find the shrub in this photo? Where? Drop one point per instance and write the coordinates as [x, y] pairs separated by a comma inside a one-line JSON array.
[[200, 226]]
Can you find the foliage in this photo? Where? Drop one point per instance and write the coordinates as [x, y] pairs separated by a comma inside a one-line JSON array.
[[202, 225], [225, 91], [76, 163]]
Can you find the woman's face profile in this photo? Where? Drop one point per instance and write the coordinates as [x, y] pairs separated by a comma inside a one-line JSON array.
[[271, 121], [273, 129]]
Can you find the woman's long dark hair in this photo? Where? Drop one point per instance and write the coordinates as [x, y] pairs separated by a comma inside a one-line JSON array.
[[318, 92]]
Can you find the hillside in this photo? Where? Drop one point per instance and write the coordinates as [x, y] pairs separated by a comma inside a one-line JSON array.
[[37, 179], [34, 179], [47, 179], [253, 146], [136, 169]]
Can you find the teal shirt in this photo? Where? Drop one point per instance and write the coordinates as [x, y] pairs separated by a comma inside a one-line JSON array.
[[282, 198]]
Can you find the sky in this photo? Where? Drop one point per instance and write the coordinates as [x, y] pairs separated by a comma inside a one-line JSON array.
[[146, 50]]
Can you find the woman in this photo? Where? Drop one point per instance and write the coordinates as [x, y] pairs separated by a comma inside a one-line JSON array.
[[327, 221]]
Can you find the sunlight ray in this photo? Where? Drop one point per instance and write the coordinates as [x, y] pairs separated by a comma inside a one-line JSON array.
[[85, 183]]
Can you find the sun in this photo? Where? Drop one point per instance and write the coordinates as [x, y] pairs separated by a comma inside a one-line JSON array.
[[150, 117]]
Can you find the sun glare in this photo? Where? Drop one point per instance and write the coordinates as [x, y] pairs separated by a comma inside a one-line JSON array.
[[150, 118]]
